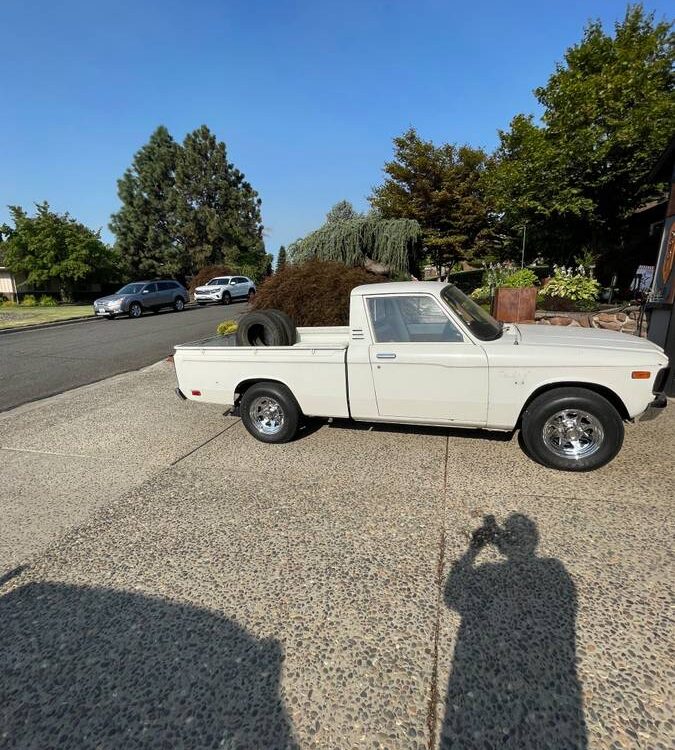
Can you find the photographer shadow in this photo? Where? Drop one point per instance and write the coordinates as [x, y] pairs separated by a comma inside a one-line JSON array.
[[513, 682]]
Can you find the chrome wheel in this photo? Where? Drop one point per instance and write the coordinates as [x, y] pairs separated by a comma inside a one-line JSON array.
[[178, 305], [573, 433], [266, 415], [135, 310]]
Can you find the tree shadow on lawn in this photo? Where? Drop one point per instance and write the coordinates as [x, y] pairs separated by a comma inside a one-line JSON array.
[[513, 681], [95, 668]]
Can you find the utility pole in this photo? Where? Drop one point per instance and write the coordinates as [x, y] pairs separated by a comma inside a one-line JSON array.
[[522, 256]]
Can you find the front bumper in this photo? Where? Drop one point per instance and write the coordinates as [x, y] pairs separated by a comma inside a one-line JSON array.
[[207, 297], [655, 408], [107, 311]]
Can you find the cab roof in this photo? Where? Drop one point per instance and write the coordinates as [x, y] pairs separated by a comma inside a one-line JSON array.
[[399, 287]]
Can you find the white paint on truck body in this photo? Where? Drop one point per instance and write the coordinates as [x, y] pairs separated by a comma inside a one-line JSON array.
[[465, 381]]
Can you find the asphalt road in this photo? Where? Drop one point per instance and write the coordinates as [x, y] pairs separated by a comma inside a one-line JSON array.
[[38, 363]]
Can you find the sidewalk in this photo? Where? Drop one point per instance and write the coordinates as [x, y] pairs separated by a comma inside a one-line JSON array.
[[187, 585]]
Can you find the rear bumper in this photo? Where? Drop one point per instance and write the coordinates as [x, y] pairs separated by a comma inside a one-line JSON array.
[[180, 394], [655, 408]]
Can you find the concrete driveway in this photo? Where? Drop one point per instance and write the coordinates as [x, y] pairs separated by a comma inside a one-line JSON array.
[[168, 581]]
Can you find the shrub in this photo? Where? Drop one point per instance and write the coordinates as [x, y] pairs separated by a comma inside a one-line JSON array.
[[578, 288], [315, 293], [47, 301], [227, 326], [520, 279], [29, 301], [206, 274]]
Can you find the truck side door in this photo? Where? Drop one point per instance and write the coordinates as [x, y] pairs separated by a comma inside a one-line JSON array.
[[424, 368]]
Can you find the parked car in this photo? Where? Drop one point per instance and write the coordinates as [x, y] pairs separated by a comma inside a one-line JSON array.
[[140, 296], [225, 289], [424, 353]]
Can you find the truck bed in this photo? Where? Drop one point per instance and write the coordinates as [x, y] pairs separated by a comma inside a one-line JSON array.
[[212, 369], [308, 338]]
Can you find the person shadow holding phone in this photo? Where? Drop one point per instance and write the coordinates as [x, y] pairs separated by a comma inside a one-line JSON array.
[[513, 682]]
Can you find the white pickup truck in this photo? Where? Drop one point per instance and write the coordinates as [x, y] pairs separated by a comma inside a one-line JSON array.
[[423, 353]]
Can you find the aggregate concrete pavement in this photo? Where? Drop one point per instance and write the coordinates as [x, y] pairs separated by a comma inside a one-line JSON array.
[[215, 592]]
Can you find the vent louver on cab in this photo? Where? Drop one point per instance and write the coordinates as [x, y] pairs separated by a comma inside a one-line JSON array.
[[357, 334]]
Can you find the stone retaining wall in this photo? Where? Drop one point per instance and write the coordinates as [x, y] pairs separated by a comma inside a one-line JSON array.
[[622, 319]]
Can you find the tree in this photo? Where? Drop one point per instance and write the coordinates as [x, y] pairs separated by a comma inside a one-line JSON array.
[[608, 114], [55, 247], [281, 259], [144, 226], [440, 188], [341, 211], [217, 211], [380, 245]]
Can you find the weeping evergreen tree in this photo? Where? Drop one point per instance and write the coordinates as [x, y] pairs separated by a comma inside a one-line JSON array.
[[384, 246]]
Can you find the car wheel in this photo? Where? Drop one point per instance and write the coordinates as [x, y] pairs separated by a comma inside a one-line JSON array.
[[226, 298], [572, 429], [270, 413], [135, 310], [260, 329], [251, 295], [111, 317], [178, 304], [287, 324]]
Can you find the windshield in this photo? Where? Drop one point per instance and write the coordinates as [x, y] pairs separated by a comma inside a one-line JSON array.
[[217, 282], [480, 323], [130, 289]]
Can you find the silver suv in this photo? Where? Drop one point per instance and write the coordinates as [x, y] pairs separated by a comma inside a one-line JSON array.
[[224, 289], [139, 296]]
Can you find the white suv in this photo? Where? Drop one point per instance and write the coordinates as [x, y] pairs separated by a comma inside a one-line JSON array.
[[225, 289]]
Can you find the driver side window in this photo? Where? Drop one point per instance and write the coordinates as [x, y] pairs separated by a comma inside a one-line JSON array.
[[414, 318]]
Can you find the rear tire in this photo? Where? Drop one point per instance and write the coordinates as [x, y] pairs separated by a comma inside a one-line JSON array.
[[270, 413], [179, 304], [251, 295], [259, 329], [572, 429]]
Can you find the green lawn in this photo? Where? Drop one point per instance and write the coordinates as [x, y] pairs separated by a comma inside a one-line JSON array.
[[16, 317]]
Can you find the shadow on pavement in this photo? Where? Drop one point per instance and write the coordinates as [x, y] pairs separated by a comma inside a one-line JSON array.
[[95, 668], [513, 681]]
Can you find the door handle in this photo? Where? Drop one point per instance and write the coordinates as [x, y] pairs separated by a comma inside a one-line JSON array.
[[382, 355]]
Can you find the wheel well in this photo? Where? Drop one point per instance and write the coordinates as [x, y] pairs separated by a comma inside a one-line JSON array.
[[601, 390], [241, 389]]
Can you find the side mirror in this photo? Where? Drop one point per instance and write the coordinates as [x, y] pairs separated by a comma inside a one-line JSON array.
[[233, 281], [145, 291]]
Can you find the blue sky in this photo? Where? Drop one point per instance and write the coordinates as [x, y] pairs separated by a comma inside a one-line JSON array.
[[306, 95]]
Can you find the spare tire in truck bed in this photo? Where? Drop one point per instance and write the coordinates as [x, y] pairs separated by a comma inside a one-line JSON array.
[[287, 322], [260, 329]]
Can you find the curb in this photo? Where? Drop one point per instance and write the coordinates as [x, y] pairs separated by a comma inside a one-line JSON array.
[[38, 326], [64, 322]]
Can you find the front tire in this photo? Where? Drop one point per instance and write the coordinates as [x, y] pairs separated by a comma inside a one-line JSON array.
[[572, 429], [226, 298], [135, 310], [270, 413]]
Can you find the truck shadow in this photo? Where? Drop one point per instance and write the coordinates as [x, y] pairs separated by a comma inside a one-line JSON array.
[[88, 667], [453, 432], [513, 680]]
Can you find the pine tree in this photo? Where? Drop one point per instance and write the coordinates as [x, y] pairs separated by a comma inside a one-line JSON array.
[[281, 259], [144, 225], [217, 211]]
